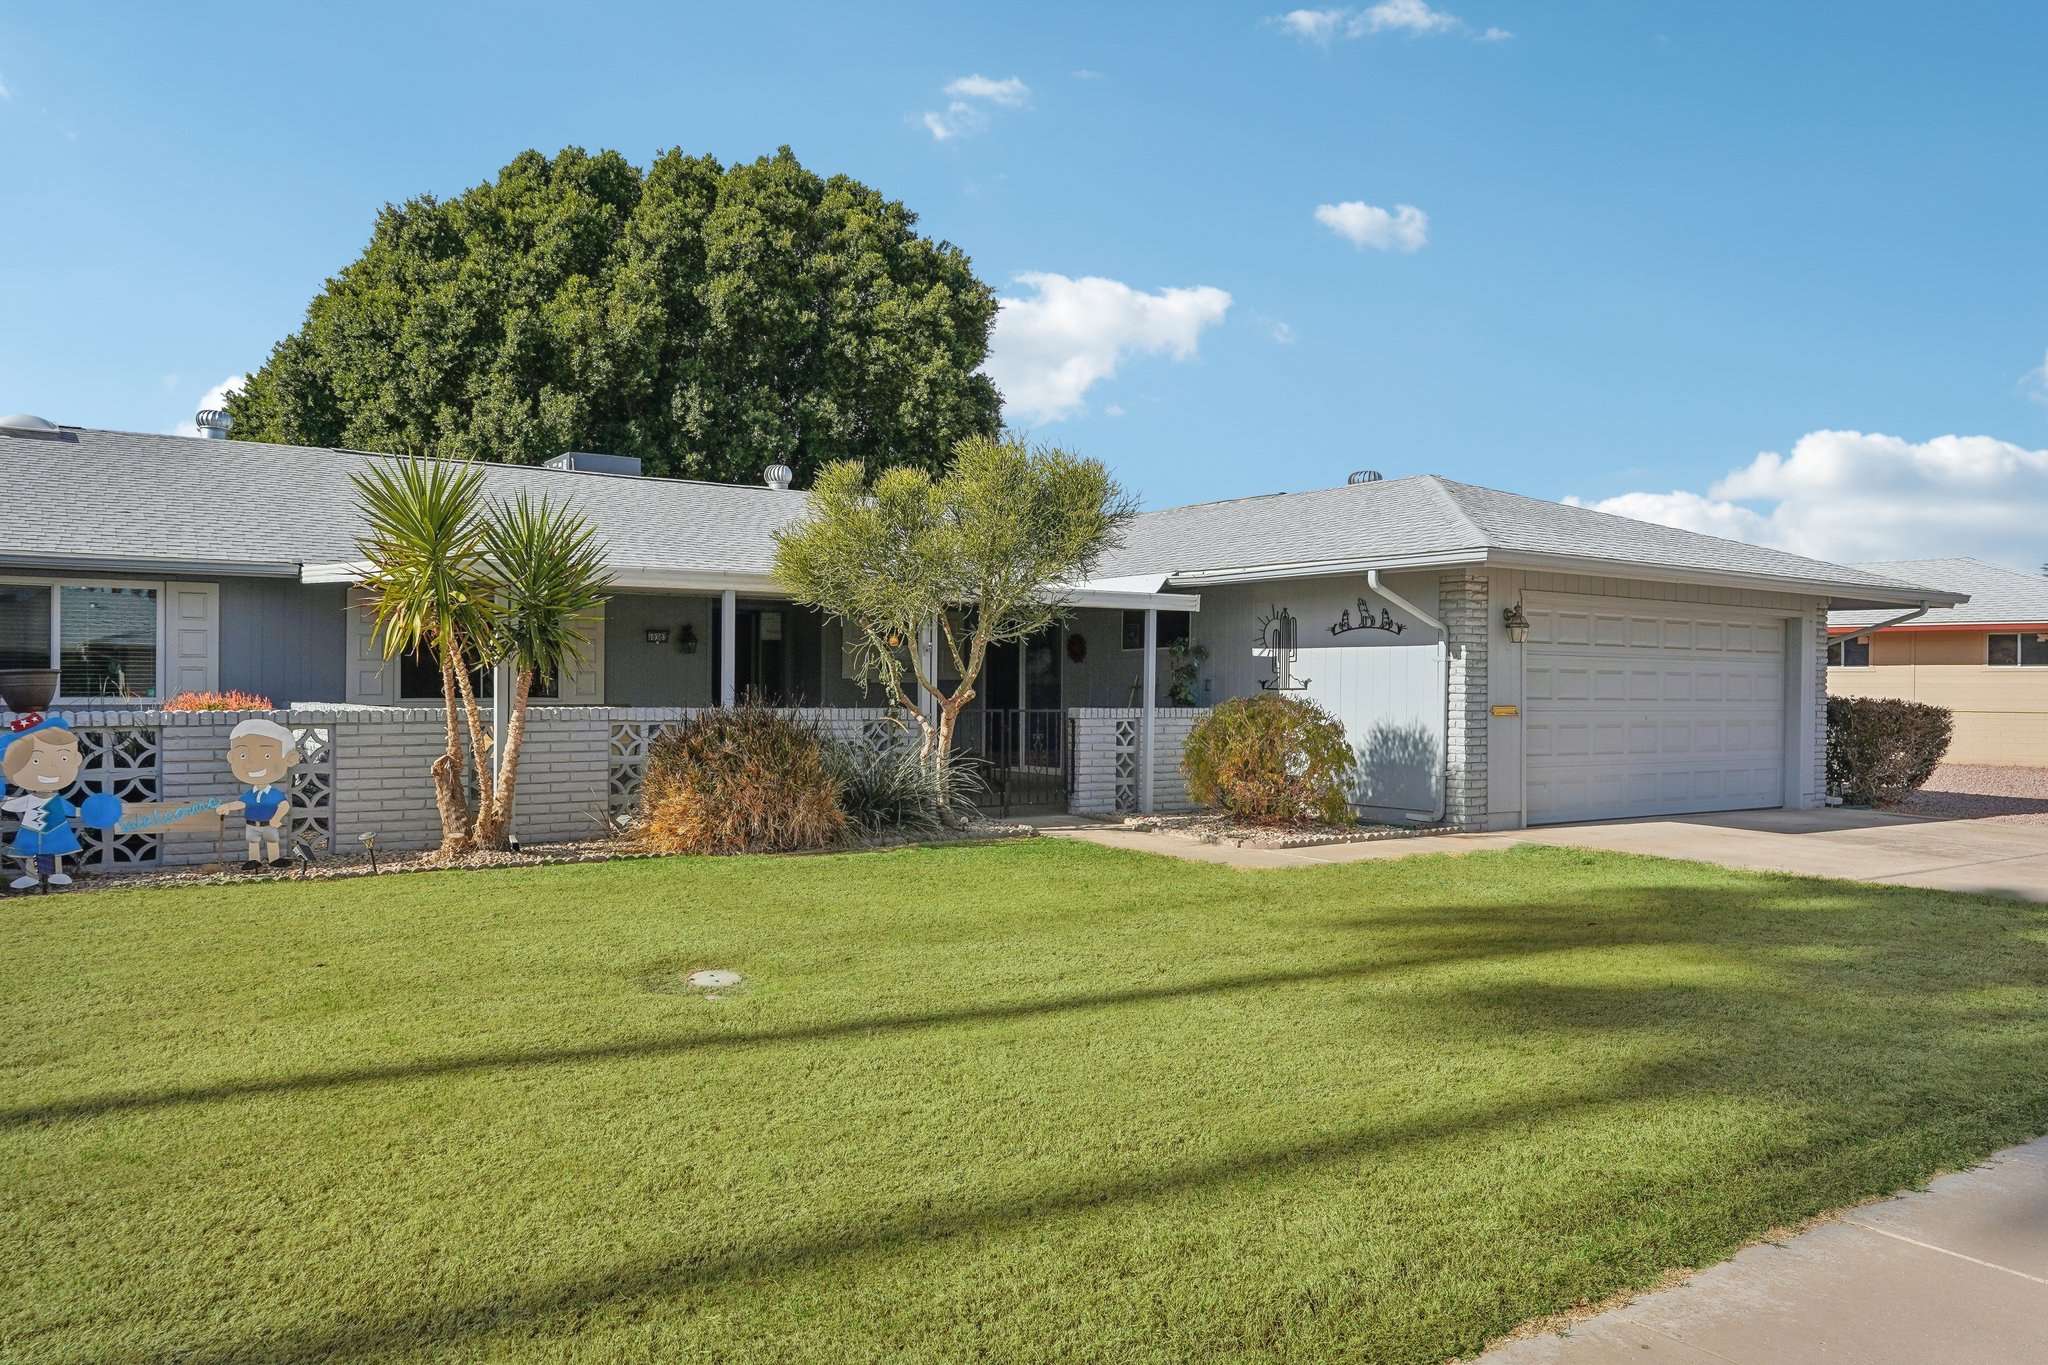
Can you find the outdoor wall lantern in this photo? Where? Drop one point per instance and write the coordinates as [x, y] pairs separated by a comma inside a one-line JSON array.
[[688, 639], [657, 635], [1516, 622]]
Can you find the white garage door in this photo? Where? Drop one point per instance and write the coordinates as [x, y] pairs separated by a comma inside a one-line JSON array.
[[1636, 708]]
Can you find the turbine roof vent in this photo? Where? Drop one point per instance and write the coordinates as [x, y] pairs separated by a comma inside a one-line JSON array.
[[1365, 476]]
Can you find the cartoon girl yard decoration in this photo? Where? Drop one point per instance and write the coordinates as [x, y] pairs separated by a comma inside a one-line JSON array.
[[39, 754]]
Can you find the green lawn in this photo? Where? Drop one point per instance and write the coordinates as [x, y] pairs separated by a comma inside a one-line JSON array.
[[1020, 1102]]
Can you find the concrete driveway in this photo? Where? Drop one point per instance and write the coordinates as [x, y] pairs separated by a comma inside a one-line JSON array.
[[1997, 856], [2000, 857]]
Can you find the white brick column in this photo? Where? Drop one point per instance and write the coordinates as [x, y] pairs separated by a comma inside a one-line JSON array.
[[1462, 605]]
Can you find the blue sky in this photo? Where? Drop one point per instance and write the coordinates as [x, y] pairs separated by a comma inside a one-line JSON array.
[[1645, 242]]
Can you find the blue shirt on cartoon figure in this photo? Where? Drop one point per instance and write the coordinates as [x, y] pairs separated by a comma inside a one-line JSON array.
[[259, 804], [55, 835]]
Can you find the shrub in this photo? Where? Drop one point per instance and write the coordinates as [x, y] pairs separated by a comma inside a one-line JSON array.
[[892, 790], [1270, 759], [747, 779], [219, 701], [1882, 750]]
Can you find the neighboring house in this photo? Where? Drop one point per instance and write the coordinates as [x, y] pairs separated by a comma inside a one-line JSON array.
[[1986, 660], [1497, 660]]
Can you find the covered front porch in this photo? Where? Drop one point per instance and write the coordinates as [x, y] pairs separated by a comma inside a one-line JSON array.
[[690, 650]]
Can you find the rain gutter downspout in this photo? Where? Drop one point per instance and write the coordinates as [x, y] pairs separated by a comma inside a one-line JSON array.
[[1443, 658]]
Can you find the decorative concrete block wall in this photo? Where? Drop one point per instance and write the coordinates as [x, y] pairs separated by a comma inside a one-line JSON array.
[[1462, 606], [1104, 765], [368, 769]]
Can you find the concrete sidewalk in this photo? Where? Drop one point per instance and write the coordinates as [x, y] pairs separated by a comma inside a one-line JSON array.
[[1956, 1274], [1945, 855]]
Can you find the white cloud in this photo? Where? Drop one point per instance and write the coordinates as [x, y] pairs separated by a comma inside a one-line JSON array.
[[215, 397], [1050, 348], [1280, 333], [1114, 410], [1314, 25], [2035, 381], [972, 96], [5, 93], [1085, 73], [1847, 496], [1414, 17], [1363, 225], [1009, 92]]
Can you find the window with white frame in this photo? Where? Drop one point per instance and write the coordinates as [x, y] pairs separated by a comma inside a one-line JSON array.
[[2017, 649], [1173, 627], [104, 638], [1852, 652]]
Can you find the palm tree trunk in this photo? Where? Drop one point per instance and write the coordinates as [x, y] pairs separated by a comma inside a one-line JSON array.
[[495, 827], [479, 750], [447, 769]]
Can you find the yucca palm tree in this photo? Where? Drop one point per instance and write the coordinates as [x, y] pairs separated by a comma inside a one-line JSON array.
[[549, 567], [430, 586]]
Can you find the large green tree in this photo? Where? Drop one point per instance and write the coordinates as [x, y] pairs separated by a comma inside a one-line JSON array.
[[709, 319]]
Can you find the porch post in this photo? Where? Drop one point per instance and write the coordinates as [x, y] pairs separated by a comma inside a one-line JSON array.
[[728, 646], [1151, 705], [501, 717], [928, 701]]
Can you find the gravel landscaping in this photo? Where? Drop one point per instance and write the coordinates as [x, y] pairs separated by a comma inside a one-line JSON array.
[[1963, 791], [1220, 827]]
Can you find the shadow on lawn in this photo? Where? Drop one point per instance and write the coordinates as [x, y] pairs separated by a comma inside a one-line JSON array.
[[1765, 992]]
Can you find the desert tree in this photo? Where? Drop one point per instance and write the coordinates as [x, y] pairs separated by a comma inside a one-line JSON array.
[[912, 564]]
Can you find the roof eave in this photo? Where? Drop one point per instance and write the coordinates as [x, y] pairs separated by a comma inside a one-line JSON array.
[[145, 565], [1844, 594]]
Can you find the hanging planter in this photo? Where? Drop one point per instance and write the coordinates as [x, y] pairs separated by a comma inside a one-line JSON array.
[[1077, 648], [28, 689]]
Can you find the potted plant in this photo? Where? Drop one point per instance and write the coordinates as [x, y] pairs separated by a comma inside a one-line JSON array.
[[28, 689]]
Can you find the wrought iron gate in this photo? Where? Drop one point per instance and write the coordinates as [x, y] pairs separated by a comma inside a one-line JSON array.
[[1025, 756]]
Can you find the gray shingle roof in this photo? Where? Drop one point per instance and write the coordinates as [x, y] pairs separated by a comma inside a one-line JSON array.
[[1427, 515], [127, 496], [1998, 596]]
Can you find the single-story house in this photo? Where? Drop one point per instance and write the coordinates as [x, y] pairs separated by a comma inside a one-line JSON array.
[[1497, 660], [1985, 659]]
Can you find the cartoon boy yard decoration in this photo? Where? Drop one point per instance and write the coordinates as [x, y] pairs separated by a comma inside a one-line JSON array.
[[261, 754], [39, 754]]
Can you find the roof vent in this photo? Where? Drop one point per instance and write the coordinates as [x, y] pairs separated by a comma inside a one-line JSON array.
[[595, 462], [213, 423], [28, 427], [1365, 476], [778, 477]]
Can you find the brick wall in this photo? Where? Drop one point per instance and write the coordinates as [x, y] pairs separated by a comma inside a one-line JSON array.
[[1462, 606], [1106, 759]]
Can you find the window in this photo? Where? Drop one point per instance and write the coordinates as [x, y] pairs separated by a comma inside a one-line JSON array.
[[104, 639], [419, 679], [1853, 652], [2025, 649], [1173, 627]]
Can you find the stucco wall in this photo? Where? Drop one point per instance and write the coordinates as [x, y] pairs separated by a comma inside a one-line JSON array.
[[2001, 714]]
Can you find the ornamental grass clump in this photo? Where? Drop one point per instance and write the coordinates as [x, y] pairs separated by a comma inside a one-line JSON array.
[[748, 779], [1881, 750], [891, 790], [1270, 760]]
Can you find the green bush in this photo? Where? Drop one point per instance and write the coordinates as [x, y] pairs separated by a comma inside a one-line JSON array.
[[1881, 750], [748, 779], [891, 790], [1270, 759]]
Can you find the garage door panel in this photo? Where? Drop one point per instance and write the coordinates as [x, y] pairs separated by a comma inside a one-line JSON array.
[[1628, 713]]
